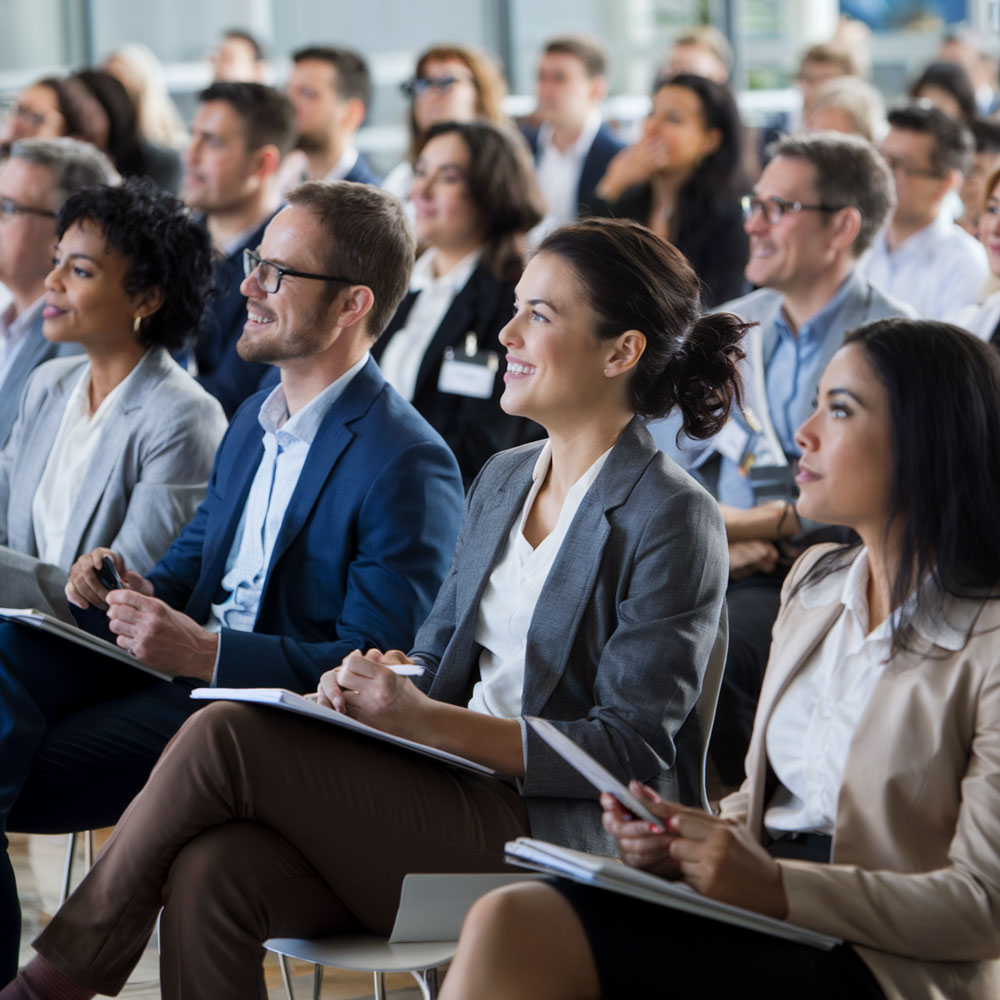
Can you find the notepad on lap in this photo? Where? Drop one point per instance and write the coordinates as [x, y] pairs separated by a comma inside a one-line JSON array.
[[291, 702], [55, 626], [608, 873]]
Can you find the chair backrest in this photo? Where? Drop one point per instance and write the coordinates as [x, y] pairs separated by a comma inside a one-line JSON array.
[[709, 698], [433, 907]]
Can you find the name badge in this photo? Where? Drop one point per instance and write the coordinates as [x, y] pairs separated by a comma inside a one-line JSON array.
[[471, 373]]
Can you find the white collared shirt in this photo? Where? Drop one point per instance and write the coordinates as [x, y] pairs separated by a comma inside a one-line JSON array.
[[980, 320], [508, 602], [559, 172], [936, 270], [344, 165], [66, 467], [286, 443], [404, 353], [13, 332]]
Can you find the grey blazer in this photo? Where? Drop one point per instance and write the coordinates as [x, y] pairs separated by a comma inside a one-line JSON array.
[[148, 473], [620, 636], [34, 351]]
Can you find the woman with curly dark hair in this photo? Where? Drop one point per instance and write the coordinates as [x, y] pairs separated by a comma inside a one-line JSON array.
[[114, 447]]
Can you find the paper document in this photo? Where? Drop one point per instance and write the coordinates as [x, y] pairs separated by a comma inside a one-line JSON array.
[[291, 702], [597, 774], [54, 626], [608, 873]]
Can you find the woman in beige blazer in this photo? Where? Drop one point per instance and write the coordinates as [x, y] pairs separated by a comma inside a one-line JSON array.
[[871, 807]]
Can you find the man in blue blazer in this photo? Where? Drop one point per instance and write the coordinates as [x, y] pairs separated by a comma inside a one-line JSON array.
[[35, 179], [572, 146], [328, 526]]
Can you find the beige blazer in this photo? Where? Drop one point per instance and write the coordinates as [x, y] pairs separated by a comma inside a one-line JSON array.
[[914, 879]]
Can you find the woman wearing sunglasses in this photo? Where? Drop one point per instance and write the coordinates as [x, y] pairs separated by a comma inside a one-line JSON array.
[[112, 448], [869, 811]]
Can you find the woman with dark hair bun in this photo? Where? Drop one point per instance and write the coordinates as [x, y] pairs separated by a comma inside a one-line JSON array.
[[684, 180], [114, 448], [869, 811], [474, 196], [587, 586]]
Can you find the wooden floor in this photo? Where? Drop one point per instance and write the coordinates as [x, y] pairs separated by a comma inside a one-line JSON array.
[[38, 862]]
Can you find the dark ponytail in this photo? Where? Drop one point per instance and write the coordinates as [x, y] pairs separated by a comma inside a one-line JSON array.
[[634, 280]]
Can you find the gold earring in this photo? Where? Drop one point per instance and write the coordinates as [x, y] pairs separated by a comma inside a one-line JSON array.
[[137, 325]]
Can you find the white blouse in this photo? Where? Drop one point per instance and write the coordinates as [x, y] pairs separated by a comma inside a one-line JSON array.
[[508, 602], [404, 353], [812, 725], [67, 465]]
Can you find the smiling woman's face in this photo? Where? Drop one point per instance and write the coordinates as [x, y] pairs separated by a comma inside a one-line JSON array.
[[989, 229], [845, 472]]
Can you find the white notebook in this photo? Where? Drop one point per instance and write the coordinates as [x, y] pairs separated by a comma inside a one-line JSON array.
[[291, 702], [609, 873]]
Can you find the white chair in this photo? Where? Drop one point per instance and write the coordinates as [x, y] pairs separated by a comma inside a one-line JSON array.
[[424, 936]]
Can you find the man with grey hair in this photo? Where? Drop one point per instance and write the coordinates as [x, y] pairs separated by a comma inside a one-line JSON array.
[[35, 180], [816, 208]]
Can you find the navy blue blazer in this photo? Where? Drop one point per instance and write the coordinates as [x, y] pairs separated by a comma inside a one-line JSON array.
[[362, 172], [363, 547], [602, 150], [220, 369]]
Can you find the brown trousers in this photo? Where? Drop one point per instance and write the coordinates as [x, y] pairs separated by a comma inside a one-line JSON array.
[[256, 823]]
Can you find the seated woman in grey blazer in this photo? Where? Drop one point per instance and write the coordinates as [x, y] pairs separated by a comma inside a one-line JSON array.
[[112, 448], [586, 587], [874, 768]]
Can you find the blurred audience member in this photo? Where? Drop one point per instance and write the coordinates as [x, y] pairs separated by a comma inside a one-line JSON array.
[[114, 448], [978, 54], [572, 146], [114, 129], [922, 257], [239, 135], [43, 110], [815, 209], [984, 319], [239, 58], [702, 51], [451, 83], [137, 69], [850, 105], [986, 134], [820, 63], [475, 197], [947, 86], [684, 181], [330, 89], [35, 180]]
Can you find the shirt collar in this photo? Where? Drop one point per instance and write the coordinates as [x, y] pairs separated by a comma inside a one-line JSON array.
[[304, 425], [818, 325], [584, 141], [13, 324], [344, 165], [423, 272], [926, 242]]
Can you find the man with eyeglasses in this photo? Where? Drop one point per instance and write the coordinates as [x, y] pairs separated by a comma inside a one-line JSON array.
[[572, 146], [922, 257], [331, 90], [815, 209], [239, 136], [328, 526], [35, 179]]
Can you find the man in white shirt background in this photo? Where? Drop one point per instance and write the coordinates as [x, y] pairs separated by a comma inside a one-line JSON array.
[[572, 146], [35, 179], [331, 90], [922, 258]]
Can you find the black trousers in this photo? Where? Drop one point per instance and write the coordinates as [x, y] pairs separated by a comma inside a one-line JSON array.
[[79, 734], [645, 950]]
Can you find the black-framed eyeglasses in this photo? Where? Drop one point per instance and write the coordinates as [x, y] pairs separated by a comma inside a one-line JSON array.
[[421, 84], [774, 208], [9, 208], [908, 170], [36, 119], [269, 274]]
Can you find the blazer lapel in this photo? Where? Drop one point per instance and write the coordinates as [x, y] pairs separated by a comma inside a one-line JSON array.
[[397, 322]]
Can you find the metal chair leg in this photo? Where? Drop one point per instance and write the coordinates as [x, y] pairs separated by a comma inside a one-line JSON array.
[[88, 851], [317, 981], [68, 869], [379, 985], [286, 976]]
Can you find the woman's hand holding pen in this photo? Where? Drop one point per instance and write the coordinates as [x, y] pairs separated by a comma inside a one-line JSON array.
[[720, 859], [374, 688]]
